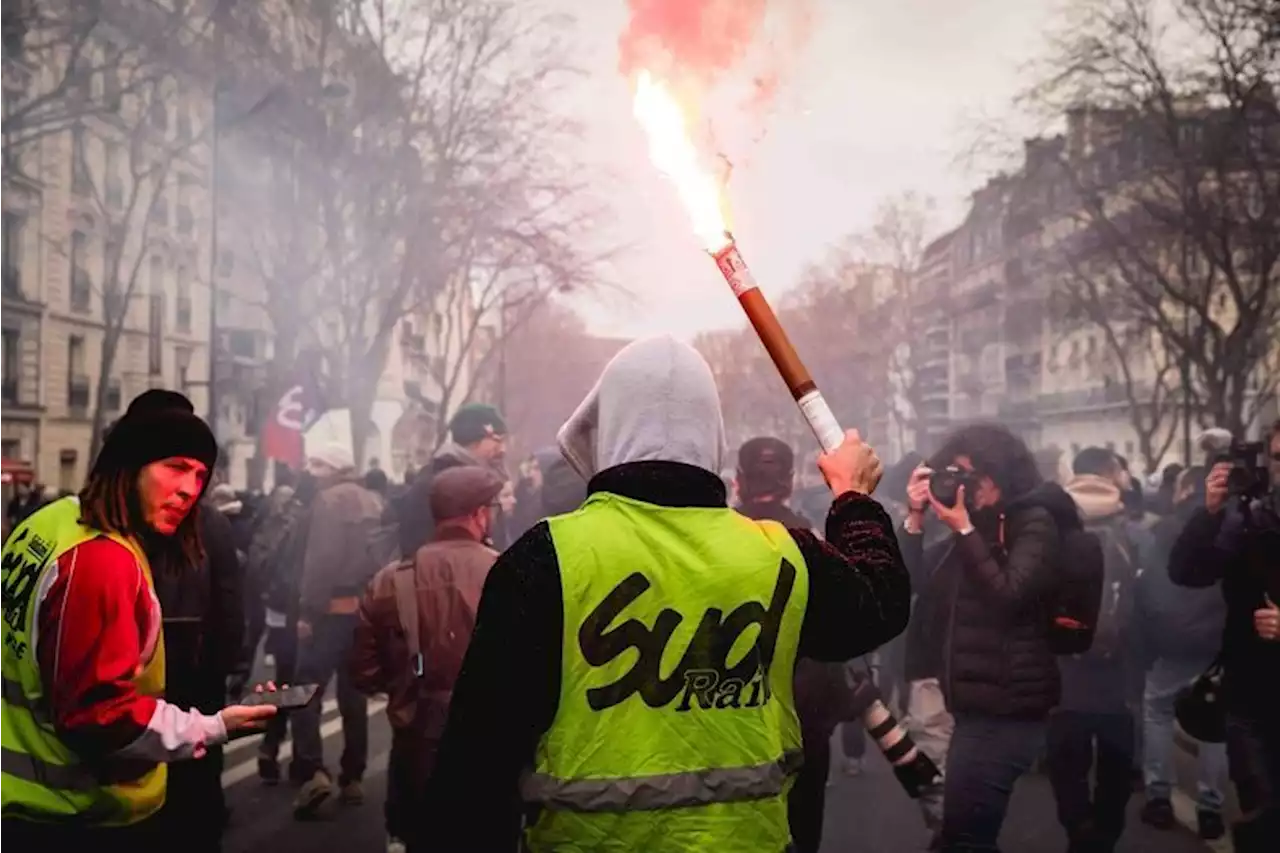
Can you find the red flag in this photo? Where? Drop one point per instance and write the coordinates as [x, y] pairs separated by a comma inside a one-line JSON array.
[[294, 413]]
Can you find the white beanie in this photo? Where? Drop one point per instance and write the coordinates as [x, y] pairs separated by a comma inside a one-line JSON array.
[[337, 456]]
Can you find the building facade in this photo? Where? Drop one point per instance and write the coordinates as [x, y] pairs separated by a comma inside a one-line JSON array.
[[991, 292], [105, 237]]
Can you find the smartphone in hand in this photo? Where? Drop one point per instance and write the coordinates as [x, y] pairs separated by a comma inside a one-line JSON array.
[[286, 699]]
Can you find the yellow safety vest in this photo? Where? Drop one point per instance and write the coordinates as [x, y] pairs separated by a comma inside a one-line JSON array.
[[676, 728], [43, 779]]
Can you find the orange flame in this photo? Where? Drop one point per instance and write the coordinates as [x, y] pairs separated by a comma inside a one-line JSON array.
[[672, 150]]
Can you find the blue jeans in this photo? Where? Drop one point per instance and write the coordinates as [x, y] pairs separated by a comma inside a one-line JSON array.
[[986, 757], [1164, 680]]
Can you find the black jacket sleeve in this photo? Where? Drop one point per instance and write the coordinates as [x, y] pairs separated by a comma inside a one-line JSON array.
[[225, 619], [859, 589], [1196, 560], [504, 700], [1026, 571]]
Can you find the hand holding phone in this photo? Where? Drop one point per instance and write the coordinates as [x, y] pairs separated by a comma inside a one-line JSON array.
[[286, 697]]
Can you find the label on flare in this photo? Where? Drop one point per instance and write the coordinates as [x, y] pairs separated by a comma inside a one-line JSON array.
[[734, 270], [821, 420]]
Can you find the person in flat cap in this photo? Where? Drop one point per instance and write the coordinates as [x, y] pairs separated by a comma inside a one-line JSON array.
[[90, 655], [437, 589]]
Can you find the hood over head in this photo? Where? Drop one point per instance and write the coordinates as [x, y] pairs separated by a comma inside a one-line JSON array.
[[1097, 497], [656, 400]]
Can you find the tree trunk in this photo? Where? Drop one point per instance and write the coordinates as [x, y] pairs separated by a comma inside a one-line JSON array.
[[362, 391], [110, 340]]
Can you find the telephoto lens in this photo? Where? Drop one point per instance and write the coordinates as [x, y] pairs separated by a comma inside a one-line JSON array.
[[915, 770]]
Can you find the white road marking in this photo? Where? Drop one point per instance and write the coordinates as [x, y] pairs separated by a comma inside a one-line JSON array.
[[245, 769]]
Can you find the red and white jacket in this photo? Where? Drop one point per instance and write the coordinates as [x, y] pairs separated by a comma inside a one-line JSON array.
[[98, 622]]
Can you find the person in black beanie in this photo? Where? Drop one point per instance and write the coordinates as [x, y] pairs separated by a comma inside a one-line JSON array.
[[96, 665], [204, 627]]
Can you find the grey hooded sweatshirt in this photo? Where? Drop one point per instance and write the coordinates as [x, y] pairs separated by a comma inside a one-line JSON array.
[[650, 430]]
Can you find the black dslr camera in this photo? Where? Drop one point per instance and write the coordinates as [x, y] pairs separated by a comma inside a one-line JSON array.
[[1249, 478], [945, 484]]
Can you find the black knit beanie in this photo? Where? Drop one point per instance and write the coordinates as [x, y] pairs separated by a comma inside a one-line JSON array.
[[766, 468], [157, 425]]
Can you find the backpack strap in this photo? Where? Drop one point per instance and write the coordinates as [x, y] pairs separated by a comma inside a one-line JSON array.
[[407, 609]]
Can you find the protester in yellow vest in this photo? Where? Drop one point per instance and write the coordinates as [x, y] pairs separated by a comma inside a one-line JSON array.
[[86, 731], [630, 673]]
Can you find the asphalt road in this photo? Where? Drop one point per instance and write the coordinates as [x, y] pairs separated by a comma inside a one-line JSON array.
[[868, 813]]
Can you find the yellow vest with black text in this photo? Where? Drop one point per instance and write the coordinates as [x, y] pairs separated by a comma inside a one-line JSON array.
[[43, 779], [676, 728]]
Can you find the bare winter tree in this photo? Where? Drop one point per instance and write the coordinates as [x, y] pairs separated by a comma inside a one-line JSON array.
[[1164, 201], [66, 61], [125, 171], [432, 188], [895, 243], [509, 214]]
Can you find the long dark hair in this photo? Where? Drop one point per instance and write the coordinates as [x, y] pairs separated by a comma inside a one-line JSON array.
[[109, 502], [995, 452]]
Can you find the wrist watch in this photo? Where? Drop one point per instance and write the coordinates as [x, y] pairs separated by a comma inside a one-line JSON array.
[[968, 528]]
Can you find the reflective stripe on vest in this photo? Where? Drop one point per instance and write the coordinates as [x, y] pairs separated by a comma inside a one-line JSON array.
[[667, 791], [676, 726], [43, 778], [14, 697]]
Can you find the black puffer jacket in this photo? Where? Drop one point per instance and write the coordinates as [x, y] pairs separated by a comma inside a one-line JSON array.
[[981, 622]]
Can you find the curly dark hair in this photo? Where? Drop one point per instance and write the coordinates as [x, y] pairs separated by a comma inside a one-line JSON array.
[[995, 452]]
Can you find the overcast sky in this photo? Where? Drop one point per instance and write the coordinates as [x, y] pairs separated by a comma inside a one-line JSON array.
[[875, 103]]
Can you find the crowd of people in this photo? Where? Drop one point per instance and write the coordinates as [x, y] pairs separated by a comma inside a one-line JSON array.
[[619, 648]]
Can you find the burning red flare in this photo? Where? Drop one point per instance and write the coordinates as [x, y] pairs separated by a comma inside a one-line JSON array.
[[688, 38]]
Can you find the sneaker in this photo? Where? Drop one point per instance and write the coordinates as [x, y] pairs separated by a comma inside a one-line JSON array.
[[268, 770], [352, 793], [1210, 824], [1158, 813], [395, 845], [314, 794]]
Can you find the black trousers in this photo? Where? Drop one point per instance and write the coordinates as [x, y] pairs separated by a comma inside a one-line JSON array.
[[143, 837], [195, 809], [1077, 743], [1253, 760], [807, 803], [413, 758]]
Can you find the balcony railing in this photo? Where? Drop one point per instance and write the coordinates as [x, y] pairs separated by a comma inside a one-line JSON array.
[[78, 393]]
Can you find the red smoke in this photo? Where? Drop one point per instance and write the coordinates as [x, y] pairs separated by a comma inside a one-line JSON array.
[[688, 38]]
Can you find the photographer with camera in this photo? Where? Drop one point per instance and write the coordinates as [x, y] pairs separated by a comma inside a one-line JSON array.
[[979, 625], [1235, 538]]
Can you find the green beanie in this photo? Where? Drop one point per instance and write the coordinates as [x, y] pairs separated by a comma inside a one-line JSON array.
[[474, 421]]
